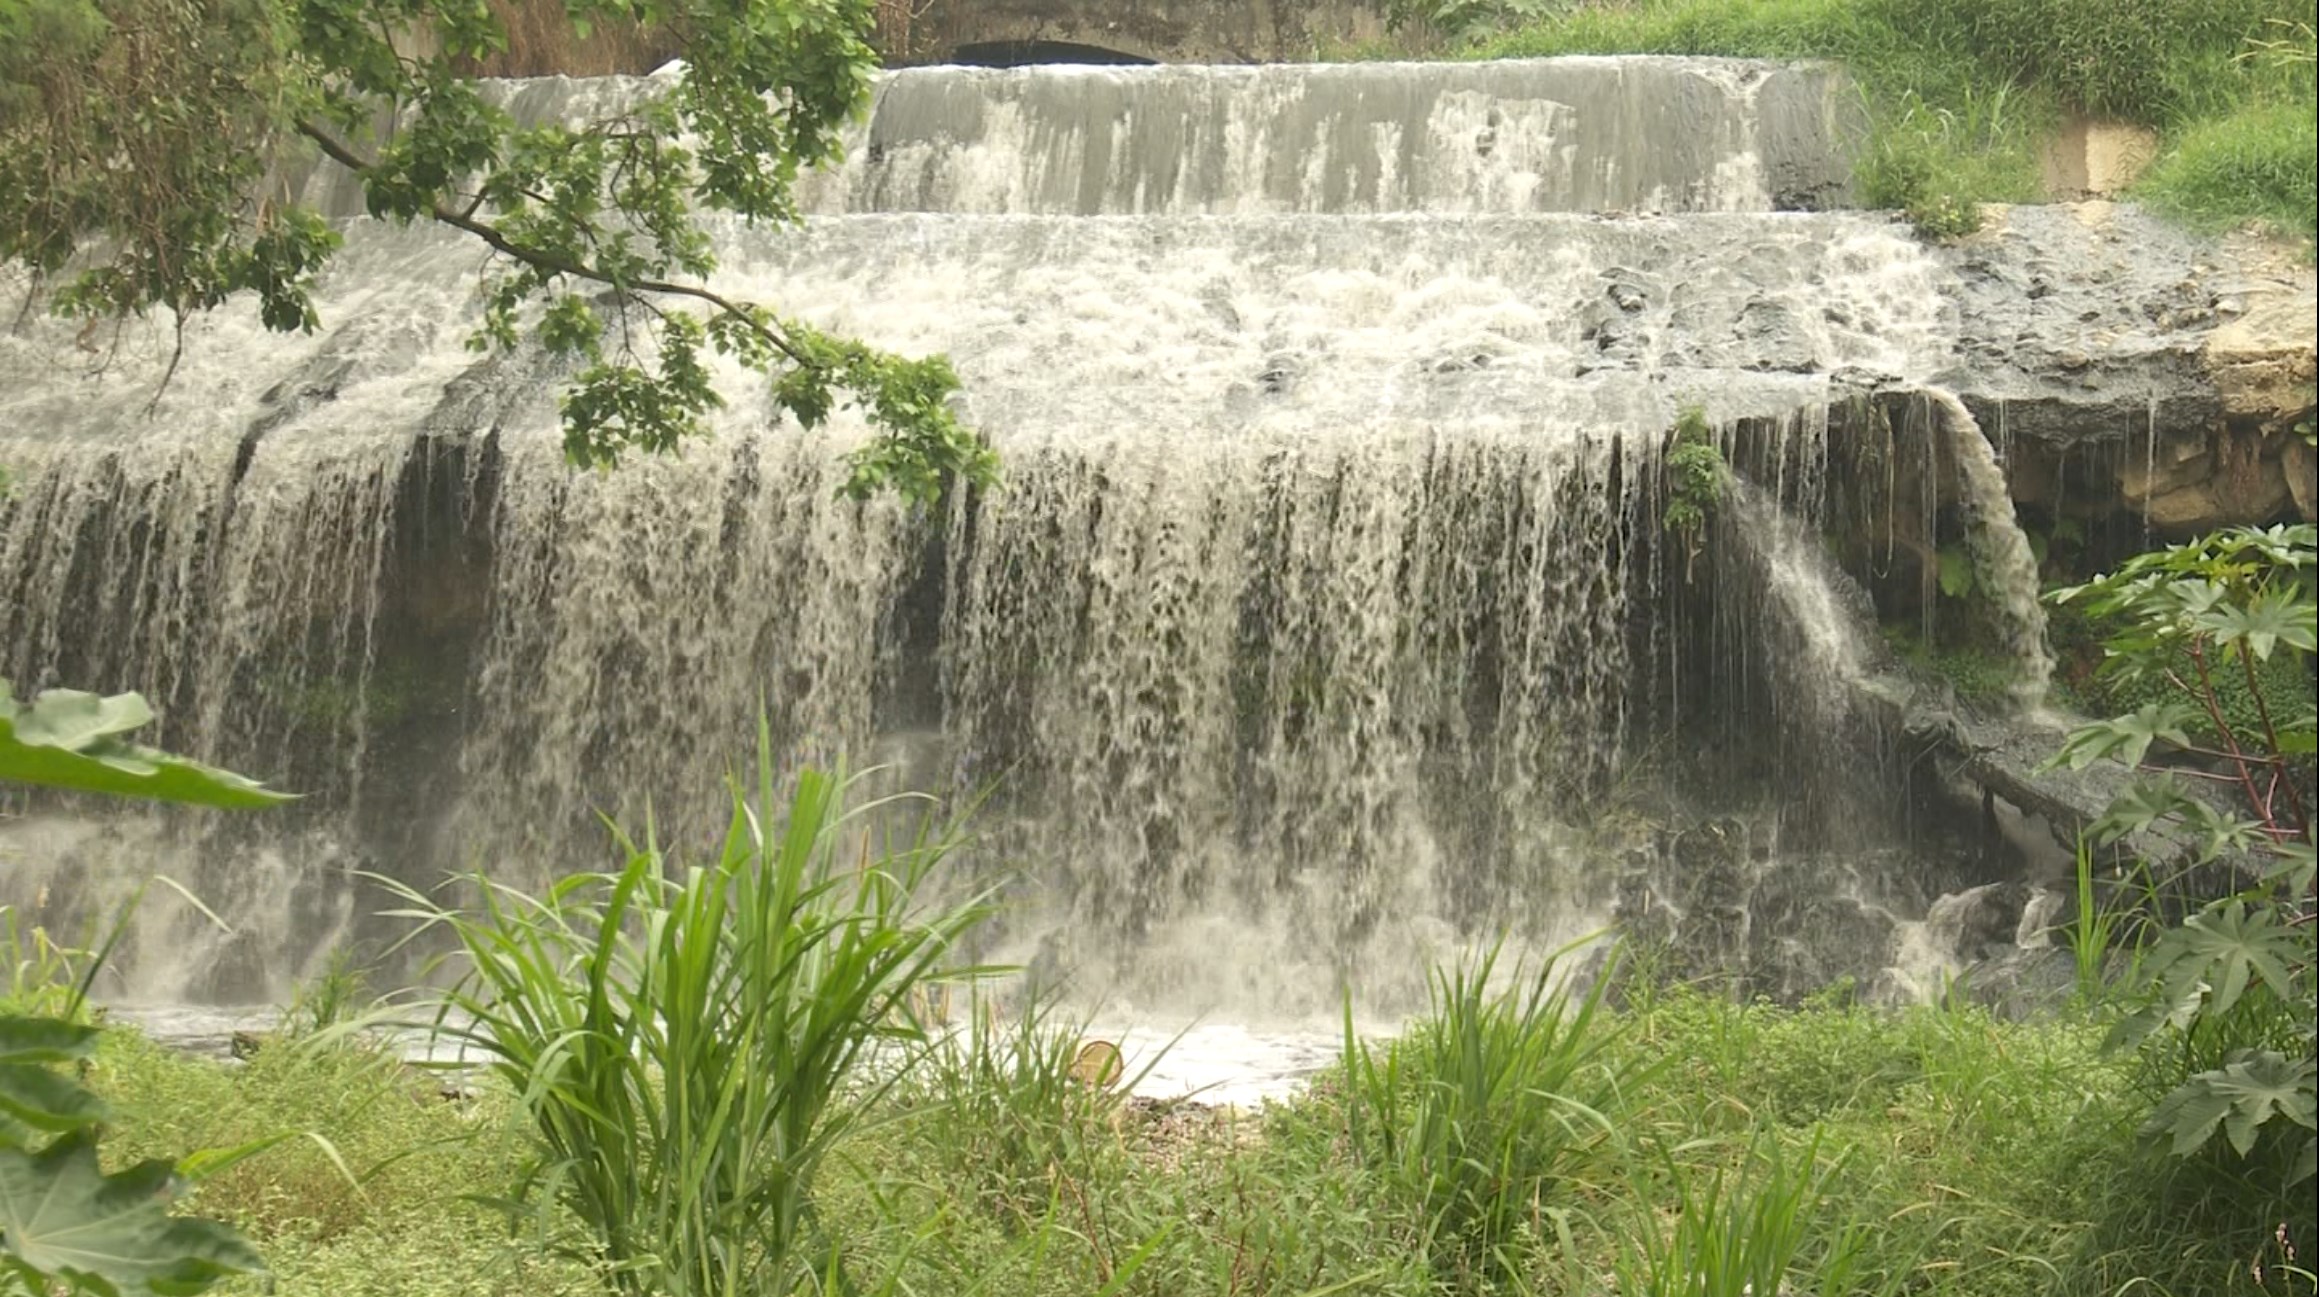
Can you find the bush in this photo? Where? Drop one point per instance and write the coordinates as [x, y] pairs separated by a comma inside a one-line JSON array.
[[2260, 163], [1488, 1109], [686, 1044]]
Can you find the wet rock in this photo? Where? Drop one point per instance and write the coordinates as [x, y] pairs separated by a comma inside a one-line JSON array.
[[2020, 983], [2094, 324], [2300, 465], [1980, 922]]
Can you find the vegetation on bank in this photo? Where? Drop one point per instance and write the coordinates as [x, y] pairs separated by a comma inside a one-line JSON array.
[[1961, 93], [1935, 1150]]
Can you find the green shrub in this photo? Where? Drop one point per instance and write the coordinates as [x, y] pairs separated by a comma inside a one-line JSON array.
[[1490, 1108], [687, 1044], [2259, 163], [2221, 1021]]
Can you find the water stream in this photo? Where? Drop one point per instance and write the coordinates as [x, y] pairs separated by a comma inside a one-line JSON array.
[[2003, 562], [1323, 627]]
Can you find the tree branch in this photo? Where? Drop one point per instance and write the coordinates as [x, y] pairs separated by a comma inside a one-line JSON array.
[[337, 151]]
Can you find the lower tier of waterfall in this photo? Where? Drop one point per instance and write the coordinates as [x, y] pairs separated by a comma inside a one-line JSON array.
[[1324, 622]]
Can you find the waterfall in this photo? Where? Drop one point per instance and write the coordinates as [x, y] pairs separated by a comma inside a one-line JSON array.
[[2002, 558], [1318, 626]]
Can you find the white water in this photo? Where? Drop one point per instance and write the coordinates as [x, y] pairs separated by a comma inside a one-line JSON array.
[[2003, 561], [1302, 641], [1223, 1064]]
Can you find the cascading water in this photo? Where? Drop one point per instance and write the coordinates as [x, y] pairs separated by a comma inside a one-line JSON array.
[[1318, 628], [2002, 558]]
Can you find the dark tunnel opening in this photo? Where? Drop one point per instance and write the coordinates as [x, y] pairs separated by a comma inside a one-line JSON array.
[[1027, 53]]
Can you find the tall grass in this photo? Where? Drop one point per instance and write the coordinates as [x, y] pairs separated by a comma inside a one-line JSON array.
[[1951, 1153], [1740, 1233], [1491, 1109], [2255, 163], [1019, 1117], [686, 1044]]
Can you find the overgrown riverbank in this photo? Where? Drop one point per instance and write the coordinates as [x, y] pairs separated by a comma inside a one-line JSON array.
[[1936, 1150], [1961, 93]]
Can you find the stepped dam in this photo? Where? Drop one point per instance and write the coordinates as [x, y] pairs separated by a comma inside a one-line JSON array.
[[1327, 620]]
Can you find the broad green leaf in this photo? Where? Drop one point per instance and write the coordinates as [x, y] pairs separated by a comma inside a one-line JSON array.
[[2255, 1089], [2125, 738], [44, 1040], [2297, 865], [47, 1100], [61, 1217], [68, 739], [29, 1091], [2261, 624], [2222, 949], [2144, 802]]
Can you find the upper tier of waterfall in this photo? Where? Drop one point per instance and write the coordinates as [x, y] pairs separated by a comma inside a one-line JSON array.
[[1639, 134]]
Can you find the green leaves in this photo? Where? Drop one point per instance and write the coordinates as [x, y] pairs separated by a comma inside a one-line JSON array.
[[1695, 472], [61, 1217], [2258, 1087], [2271, 618], [2193, 618], [31, 1093], [69, 739], [2126, 738], [151, 124], [2193, 621], [688, 1042], [2222, 948]]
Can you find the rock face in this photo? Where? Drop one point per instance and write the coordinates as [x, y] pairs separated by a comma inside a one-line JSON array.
[[2091, 158], [2126, 367]]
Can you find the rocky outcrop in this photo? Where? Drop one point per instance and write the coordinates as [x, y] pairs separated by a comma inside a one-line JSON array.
[[2093, 158], [2125, 365]]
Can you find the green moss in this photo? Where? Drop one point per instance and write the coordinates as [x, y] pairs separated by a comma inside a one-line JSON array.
[[1976, 676]]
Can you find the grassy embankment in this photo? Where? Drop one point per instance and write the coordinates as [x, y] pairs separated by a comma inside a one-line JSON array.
[[1961, 92], [1935, 1151]]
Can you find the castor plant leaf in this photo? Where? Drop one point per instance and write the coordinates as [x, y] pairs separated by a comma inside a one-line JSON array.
[[65, 738], [2256, 1088], [62, 1217]]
